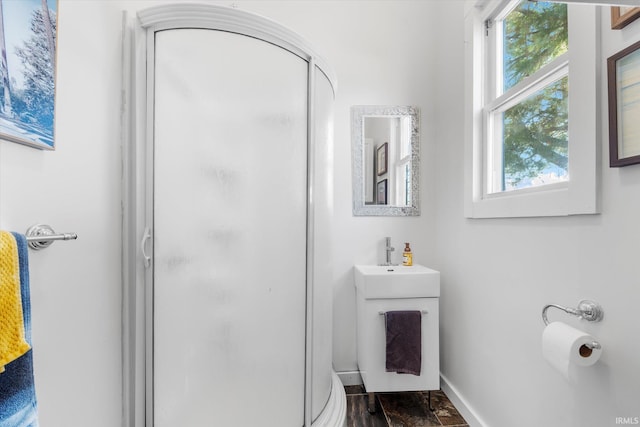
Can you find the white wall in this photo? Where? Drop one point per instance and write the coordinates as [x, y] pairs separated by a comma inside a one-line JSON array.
[[382, 55], [75, 286], [497, 274]]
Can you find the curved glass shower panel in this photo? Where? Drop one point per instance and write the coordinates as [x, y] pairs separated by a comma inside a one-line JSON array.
[[230, 194], [322, 336]]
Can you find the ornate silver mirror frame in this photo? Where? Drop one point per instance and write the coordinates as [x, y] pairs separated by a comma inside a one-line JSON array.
[[359, 154]]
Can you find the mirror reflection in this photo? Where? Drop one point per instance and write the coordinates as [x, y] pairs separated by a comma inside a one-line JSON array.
[[385, 147]]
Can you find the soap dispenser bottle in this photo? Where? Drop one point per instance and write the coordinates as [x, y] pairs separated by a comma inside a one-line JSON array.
[[407, 256]]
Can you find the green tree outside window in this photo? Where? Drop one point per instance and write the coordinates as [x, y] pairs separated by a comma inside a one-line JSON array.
[[535, 131]]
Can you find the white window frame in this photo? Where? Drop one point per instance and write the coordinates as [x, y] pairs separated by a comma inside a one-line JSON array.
[[579, 194], [402, 161]]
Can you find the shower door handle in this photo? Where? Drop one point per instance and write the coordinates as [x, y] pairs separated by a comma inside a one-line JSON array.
[[143, 244]]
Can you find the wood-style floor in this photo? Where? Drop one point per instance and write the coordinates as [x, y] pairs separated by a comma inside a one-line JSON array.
[[406, 409]]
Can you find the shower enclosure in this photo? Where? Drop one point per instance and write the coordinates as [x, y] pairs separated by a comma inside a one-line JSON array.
[[227, 203]]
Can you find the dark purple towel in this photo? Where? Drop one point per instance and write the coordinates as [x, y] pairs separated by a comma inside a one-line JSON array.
[[404, 341]]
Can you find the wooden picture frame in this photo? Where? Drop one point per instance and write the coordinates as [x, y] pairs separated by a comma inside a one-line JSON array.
[[623, 74], [382, 159], [381, 193], [621, 16]]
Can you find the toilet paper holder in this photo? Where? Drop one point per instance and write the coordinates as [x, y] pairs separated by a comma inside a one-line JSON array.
[[588, 310]]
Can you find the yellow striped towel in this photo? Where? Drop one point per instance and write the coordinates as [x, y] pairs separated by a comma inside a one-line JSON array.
[[12, 339]]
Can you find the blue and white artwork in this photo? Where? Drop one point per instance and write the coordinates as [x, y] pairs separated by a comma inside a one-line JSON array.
[[27, 71]]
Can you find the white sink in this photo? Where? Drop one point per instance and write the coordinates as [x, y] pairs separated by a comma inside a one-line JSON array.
[[396, 281]]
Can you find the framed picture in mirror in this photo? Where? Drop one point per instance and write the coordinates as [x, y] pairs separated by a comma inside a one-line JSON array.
[[381, 156], [382, 192]]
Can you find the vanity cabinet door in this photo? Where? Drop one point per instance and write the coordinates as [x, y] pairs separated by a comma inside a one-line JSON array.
[[372, 344]]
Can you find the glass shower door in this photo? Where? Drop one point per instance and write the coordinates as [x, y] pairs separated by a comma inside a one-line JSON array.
[[229, 201]]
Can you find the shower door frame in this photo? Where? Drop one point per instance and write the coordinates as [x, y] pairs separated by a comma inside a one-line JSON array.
[[137, 116]]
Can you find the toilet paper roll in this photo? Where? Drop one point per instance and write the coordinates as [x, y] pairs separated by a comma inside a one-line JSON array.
[[564, 346]]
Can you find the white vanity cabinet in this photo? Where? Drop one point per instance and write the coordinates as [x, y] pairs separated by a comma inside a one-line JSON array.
[[389, 288]]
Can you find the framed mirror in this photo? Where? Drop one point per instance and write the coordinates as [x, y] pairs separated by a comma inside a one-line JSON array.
[[385, 144]]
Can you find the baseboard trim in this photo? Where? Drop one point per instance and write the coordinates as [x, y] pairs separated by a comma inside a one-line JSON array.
[[350, 377], [461, 403]]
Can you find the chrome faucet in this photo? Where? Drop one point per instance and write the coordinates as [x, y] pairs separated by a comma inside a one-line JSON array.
[[389, 249]]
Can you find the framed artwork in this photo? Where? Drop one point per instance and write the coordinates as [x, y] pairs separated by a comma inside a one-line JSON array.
[[382, 158], [27, 71], [621, 16], [623, 73], [382, 192]]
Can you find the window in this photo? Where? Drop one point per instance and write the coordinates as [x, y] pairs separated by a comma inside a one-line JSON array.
[[527, 99], [532, 144]]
